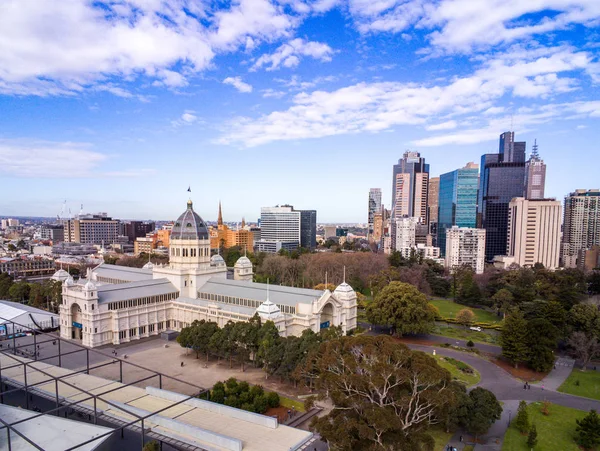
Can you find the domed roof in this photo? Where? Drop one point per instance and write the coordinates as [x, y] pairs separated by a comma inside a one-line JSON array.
[[60, 275], [89, 286], [343, 288], [267, 310], [148, 265], [217, 260], [243, 262], [189, 226]]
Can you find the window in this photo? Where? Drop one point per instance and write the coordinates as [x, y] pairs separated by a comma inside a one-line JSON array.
[[95, 330], [123, 334], [92, 306]]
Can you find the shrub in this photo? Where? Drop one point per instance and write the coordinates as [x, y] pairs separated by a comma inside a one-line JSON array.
[[470, 344], [231, 385], [309, 403], [219, 386], [532, 438], [272, 399], [256, 390], [243, 386], [218, 396], [232, 401], [260, 404], [545, 408], [522, 420]]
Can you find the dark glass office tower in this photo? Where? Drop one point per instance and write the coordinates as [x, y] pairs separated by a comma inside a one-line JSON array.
[[502, 179], [457, 201], [308, 229]]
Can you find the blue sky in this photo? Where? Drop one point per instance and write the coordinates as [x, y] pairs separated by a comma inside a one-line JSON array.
[[121, 105]]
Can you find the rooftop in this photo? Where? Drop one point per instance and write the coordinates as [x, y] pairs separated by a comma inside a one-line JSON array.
[[123, 272], [134, 290]]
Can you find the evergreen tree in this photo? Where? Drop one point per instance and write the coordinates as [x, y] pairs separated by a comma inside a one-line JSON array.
[[532, 437], [522, 420], [588, 430], [513, 338]]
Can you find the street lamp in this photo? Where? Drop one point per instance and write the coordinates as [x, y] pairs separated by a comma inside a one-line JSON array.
[[509, 414]]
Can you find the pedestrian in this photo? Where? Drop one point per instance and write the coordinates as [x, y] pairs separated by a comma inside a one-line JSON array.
[[525, 386], [529, 387], [181, 363], [461, 438], [542, 386]]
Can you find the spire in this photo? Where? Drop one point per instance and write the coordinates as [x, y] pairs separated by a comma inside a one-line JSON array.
[[243, 222], [534, 154], [344, 280], [220, 219], [267, 291]]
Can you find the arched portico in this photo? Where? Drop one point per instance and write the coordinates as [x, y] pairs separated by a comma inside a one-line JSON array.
[[76, 325], [327, 316]]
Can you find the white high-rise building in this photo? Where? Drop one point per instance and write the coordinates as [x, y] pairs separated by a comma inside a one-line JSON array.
[[404, 231], [581, 224], [465, 246], [280, 229], [534, 232]]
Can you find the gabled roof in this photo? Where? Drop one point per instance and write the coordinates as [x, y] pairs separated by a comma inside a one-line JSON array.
[[123, 272], [134, 290]]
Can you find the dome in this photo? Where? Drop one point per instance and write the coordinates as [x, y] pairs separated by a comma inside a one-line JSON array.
[[189, 226], [148, 265], [343, 288], [243, 262], [89, 286], [344, 292], [217, 260], [61, 275], [268, 311], [69, 281]]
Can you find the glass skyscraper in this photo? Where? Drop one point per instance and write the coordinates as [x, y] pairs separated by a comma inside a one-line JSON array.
[[457, 201], [502, 179]]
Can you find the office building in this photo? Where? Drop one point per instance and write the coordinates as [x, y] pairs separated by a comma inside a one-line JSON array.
[[27, 266], [8, 223], [534, 232], [410, 185], [432, 207], [163, 236], [535, 175], [52, 232], [501, 180], [465, 247], [374, 208], [92, 229], [581, 226], [404, 236], [457, 201], [117, 304], [308, 229], [589, 259], [144, 244], [137, 229], [329, 231]]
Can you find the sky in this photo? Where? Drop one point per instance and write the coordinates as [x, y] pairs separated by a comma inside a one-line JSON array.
[[121, 105]]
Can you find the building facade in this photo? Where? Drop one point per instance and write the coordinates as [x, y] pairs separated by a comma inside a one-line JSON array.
[[52, 232], [432, 207], [404, 236], [137, 229], [410, 185], [534, 232], [225, 237], [535, 175], [92, 229], [23, 267], [308, 229], [279, 224], [374, 208], [457, 201], [117, 304], [502, 179], [581, 225], [465, 247]]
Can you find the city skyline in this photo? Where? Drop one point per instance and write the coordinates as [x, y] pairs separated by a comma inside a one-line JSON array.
[[140, 101]]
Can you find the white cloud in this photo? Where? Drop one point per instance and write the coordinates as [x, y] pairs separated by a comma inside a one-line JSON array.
[[272, 93], [448, 125], [581, 127], [187, 118], [372, 107], [238, 84], [288, 55]]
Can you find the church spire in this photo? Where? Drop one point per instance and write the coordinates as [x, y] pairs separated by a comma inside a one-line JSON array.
[[243, 222], [220, 220]]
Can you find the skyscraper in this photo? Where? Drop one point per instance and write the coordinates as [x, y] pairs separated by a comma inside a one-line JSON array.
[[581, 230], [534, 232], [410, 185], [502, 179], [535, 175], [432, 206], [308, 229], [465, 246], [374, 208], [457, 201]]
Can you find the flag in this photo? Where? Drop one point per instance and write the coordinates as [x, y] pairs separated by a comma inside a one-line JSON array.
[[189, 189]]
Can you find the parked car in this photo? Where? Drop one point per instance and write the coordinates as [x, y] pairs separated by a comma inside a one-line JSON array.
[[475, 328]]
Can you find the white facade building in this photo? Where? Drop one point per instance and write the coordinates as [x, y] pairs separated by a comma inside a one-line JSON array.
[[118, 304], [404, 233], [465, 246]]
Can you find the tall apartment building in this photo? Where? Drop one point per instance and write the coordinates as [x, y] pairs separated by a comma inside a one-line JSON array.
[[92, 229], [8, 222], [308, 229], [465, 246], [405, 235], [432, 207], [374, 208], [410, 186], [502, 179], [137, 229], [535, 175], [281, 228], [534, 232], [581, 229], [457, 201]]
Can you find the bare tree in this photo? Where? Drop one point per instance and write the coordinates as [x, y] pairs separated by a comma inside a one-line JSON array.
[[584, 347]]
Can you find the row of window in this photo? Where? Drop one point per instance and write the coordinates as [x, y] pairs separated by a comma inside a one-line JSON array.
[[110, 280], [135, 331], [242, 301], [192, 252], [142, 301]]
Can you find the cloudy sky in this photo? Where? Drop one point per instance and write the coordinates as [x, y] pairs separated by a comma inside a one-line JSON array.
[[121, 105]]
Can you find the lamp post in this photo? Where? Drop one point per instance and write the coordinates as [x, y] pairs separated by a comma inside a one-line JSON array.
[[509, 415]]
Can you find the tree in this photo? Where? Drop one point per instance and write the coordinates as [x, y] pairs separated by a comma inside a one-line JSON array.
[[585, 318], [503, 299], [588, 430], [19, 291], [532, 437], [584, 347], [593, 280], [465, 317], [403, 307], [384, 395], [466, 289], [5, 284], [483, 410], [513, 338], [151, 446], [522, 419], [541, 341]]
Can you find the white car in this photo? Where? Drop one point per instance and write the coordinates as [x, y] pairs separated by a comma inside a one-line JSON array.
[[475, 328]]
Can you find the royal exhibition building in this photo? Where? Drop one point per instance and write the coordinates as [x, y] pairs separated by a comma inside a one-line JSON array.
[[117, 304]]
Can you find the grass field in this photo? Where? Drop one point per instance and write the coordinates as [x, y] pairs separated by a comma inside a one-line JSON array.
[[289, 403], [465, 334], [589, 384], [467, 379], [448, 309], [441, 437], [555, 431]]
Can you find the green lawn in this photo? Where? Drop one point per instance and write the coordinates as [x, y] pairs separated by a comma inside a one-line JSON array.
[[555, 431], [289, 403], [461, 376], [448, 309], [440, 436], [589, 384], [465, 334]]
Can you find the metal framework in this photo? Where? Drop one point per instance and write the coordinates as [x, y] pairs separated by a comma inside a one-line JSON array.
[[136, 425]]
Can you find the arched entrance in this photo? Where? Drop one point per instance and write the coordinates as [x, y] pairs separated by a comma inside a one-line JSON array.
[[327, 316], [76, 325]]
